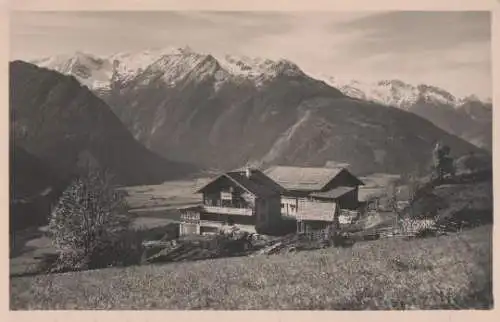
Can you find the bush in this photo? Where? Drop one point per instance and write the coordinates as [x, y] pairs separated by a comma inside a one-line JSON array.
[[89, 225], [125, 250], [473, 162]]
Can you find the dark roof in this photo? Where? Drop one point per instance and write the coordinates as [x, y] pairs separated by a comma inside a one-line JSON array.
[[259, 177], [333, 193], [258, 184], [305, 178]]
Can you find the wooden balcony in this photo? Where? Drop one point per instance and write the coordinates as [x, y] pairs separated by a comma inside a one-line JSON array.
[[228, 210], [217, 225]]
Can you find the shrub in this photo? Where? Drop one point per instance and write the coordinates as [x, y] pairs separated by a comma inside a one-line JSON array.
[[125, 250], [473, 162]]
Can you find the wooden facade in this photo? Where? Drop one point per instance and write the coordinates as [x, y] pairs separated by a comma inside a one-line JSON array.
[[317, 197], [315, 213], [190, 221], [248, 199], [320, 198]]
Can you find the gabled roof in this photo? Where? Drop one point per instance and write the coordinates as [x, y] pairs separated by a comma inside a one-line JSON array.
[[258, 184], [376, 180], [377, 186], [260, 178], [304, 178], [366, 194], [333, 193]]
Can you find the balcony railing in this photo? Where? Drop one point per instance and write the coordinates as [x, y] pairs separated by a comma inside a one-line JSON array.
[[217, 225], [228, 210]]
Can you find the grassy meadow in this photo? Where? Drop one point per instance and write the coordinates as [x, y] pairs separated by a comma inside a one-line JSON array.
[[168, 195], [447, 272]]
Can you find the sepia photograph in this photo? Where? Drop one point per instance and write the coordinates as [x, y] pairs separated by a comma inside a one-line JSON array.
[[250, 160]]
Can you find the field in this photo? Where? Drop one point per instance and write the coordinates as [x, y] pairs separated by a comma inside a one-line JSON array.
[[168, 195], [447, 272]]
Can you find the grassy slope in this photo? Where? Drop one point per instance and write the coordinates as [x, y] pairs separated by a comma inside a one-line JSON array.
[[442, 272]]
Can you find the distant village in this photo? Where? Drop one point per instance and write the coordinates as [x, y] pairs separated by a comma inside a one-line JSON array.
[[312, 198]]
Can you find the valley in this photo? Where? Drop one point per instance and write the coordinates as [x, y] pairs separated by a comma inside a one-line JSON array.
[[244, 160]]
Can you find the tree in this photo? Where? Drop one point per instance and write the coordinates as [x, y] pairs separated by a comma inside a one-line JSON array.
[[88, 221], [443, 163]]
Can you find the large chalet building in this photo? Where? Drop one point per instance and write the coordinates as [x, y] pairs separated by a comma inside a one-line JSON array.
[[313, 197], [247, 196]]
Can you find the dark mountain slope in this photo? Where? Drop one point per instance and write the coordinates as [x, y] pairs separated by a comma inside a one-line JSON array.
[[286, 119], [470, 120], [34, 186], [221, 128], [225, 112], [370, 137], [63, 124], [29, 175]]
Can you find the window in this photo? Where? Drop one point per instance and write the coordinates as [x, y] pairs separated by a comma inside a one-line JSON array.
[[282, 205], [226, 195]]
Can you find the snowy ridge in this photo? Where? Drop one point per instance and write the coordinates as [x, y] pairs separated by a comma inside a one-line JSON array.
[[98, 73], [397, 93], [173, 64], [258, 68], [91, 71], [129, 65]]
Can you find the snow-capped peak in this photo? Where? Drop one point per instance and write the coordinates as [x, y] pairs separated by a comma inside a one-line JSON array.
[[98, 73], [90, 70], [393, 92], [172, 62], [475, 99], [67, 62], [254, 67], [128, 64]]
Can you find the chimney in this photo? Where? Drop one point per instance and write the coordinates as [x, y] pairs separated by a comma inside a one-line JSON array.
[[248, 172]]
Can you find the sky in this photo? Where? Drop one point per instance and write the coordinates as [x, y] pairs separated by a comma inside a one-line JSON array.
[[446, 49]]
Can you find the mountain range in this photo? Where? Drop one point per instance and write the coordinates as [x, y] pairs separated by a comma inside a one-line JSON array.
[[467, 117], [58, 127], [64, 124], [228, 111]]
